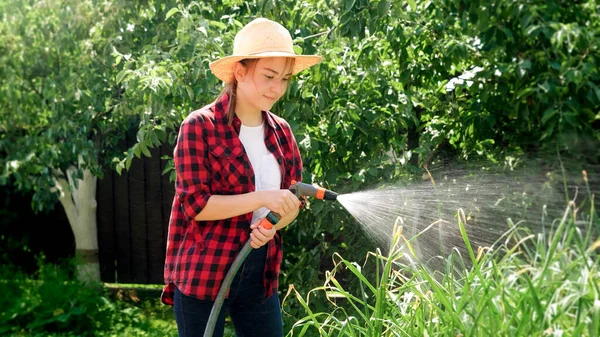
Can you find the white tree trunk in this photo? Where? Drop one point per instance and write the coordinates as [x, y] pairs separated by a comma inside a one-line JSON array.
[[80, 206]]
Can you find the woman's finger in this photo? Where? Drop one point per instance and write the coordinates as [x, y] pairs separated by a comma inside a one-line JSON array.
[[286, 210], [268, 233], [259, 235], [292, 203], [255, 242]]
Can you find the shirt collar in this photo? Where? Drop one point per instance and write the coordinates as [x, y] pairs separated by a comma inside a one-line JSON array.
[[220, 109]]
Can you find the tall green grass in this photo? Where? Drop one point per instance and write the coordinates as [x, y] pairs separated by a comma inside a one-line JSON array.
[[526, 285]]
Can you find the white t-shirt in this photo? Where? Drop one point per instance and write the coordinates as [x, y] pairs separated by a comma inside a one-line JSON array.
[[267, 175]]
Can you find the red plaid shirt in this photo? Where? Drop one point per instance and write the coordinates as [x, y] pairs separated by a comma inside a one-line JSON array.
[[210, 159]]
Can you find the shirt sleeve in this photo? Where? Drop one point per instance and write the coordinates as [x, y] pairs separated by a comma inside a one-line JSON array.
[[192, 184]]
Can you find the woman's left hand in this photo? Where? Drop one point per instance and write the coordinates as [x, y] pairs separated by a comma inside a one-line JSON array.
[[260, 235]]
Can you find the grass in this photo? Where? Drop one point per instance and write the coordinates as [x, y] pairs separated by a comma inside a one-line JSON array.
[[526, 285]]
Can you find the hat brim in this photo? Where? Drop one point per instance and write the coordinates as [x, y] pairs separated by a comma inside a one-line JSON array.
[[223, 68]]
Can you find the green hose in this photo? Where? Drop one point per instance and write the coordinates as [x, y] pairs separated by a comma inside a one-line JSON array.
[[216, 309]]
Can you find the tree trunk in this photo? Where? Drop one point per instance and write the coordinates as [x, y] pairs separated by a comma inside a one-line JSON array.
[[79, 201]]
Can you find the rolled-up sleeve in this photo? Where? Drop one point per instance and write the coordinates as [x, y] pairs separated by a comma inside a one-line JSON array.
[[190, 157]]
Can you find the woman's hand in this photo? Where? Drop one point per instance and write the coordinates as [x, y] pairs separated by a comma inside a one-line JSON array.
[[283, 222], [260, 235], [282, 202]]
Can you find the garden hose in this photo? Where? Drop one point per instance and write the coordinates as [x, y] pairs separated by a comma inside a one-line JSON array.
[[300, 190], [216, 309]]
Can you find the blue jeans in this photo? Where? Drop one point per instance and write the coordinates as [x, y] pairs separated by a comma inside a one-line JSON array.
[[251, 314]]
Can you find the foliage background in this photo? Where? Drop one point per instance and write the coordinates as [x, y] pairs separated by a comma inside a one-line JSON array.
[[403, 84]]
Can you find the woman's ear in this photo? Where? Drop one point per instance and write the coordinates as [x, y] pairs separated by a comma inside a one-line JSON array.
[[239, 71]]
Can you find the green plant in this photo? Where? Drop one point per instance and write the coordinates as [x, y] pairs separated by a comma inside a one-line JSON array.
[[52, 303], [545, 284], [49, 301]]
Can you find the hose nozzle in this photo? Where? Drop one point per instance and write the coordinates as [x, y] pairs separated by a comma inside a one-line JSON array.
[[302, 189]]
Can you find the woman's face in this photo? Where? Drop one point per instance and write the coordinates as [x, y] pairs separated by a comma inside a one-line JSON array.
[[262, 84]]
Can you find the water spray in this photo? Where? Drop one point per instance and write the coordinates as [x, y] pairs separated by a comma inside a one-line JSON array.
[[300, 190]]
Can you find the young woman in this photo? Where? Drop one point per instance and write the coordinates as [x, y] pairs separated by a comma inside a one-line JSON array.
[[234, 161]]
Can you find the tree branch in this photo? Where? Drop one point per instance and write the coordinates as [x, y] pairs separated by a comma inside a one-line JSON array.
[[86, 190], [75, 191], [64, 196]]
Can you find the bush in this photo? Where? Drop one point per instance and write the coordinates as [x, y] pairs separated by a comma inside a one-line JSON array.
[[52, 303]]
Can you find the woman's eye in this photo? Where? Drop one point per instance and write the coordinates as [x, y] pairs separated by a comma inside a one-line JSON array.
[[269, 77], [286, 79]]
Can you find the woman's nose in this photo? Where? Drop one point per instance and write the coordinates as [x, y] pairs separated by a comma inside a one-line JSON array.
[[278, 86]]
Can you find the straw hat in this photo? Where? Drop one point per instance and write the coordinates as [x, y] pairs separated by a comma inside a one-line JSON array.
[[261, 38]]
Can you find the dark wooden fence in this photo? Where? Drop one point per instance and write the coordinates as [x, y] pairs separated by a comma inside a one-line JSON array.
[[133, 216]]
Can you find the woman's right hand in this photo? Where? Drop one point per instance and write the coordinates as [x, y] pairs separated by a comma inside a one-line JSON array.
[[282, 202]]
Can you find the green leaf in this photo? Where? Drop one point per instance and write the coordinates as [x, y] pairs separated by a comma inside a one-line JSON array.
[[525, 92], [549, 131], [348, 4], [190, 92], [412, 4], [128, 162], [145, 150], [162, 134], [383, 8], [121, 75], [119, 167], [548, 114], [137, 151], [545, 86], [139, 137], [218, 25], [172, 12]]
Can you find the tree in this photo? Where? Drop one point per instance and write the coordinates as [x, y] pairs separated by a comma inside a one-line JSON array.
[[63, 113]]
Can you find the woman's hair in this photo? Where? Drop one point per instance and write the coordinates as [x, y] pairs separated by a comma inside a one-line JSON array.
[[231, 88]]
